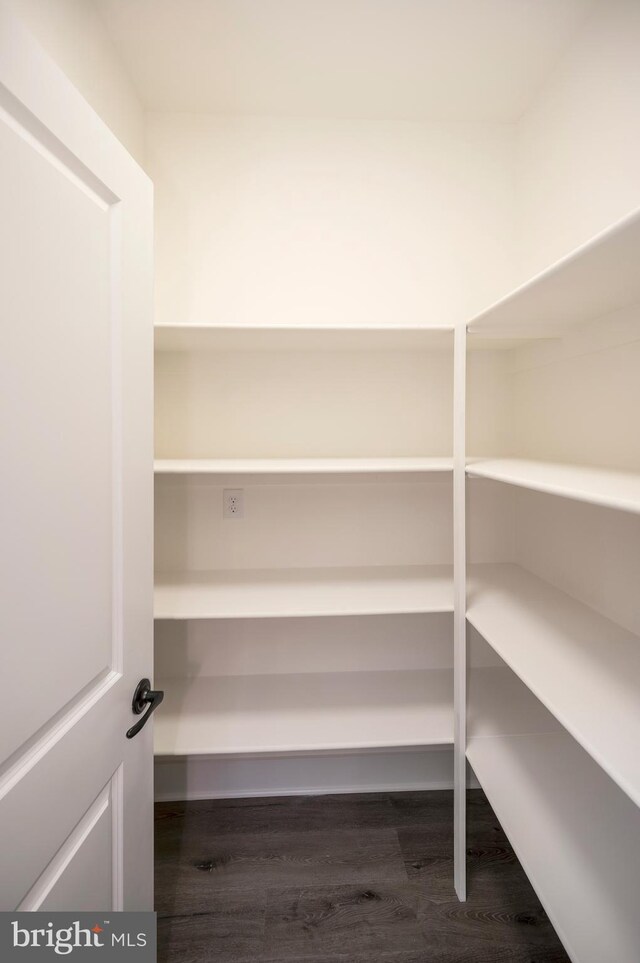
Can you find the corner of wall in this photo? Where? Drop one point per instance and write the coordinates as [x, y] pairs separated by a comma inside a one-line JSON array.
[[578, 143], [74, 36]]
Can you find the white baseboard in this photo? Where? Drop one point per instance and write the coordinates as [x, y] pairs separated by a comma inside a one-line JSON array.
[[401, 770]]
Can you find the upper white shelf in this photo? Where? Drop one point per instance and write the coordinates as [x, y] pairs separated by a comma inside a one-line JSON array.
[[596, 279], [584, 668], [290, 593], [598, 486], [204, 337], [304, 713], [301, 466]]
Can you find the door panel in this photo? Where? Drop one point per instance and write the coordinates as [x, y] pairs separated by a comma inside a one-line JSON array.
[[57, 436], [54, 787], [82, 872], [77, 496]]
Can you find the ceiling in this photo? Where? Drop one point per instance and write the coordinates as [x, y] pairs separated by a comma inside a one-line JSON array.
[[457, 60]]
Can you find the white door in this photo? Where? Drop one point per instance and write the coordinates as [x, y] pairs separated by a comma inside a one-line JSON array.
[[75, 497]]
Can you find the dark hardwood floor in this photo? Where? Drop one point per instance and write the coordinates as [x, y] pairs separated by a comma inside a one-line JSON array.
[[341, 879]]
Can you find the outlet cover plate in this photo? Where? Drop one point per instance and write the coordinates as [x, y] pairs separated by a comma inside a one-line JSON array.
[[233, 503]]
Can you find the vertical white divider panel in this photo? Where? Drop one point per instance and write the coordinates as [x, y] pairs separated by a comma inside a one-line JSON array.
[[459, 610]]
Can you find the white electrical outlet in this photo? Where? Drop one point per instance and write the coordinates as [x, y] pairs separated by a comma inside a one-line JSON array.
[[232, 502]]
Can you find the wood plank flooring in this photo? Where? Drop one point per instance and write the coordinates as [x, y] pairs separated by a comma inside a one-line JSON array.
[[341, 879]]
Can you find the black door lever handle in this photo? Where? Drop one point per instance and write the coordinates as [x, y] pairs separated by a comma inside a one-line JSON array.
[[144, 696]]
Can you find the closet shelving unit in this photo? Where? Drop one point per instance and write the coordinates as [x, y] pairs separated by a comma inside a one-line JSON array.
[[551, 725], [557, 750], [292, 712]]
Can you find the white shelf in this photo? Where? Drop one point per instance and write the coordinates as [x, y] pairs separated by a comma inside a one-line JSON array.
[[206, 337], [301, 466], [596, 279], [584, 668], [304, 713], [288, 593], [576, 835], [597, 486]]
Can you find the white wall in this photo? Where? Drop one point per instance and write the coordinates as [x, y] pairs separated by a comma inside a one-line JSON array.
[[201, 778], [73, 34], [323, 221], [303, 524], [579, 403], [578, 145], [296, 404]]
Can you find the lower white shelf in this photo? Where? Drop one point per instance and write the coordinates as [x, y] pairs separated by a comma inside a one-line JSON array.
[[283, 593], [583, 667], [304, 713], [576, 834]]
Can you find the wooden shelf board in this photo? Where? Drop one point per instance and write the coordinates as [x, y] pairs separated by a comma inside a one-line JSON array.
[[597, 486], [576, 835], [301, 466], [596, 279], [273, 593], [584, 668], [304, 713], [207, 337]]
